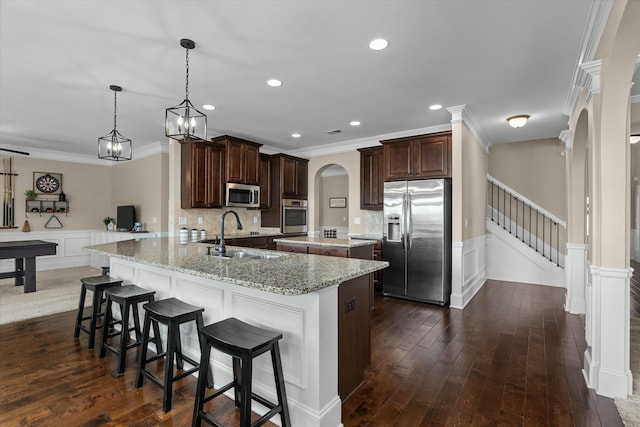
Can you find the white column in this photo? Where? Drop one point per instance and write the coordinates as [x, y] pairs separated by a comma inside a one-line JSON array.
[[606, 359], [575, 279]]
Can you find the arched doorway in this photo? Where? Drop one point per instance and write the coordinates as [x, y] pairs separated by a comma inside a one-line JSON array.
[[332, 201]]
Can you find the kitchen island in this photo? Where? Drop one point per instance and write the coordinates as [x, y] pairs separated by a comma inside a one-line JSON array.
[[295, 294]]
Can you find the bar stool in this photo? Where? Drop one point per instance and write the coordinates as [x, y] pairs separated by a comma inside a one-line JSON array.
[[171, 312], [243, 342], [97, 285], [127, 297]]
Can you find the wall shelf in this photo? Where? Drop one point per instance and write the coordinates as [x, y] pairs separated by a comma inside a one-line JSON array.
[[46, 206]]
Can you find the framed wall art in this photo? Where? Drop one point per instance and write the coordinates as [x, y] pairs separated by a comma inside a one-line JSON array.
[[337, 202], [45, 183]]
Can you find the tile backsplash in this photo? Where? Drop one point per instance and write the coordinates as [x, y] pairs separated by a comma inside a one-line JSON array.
[[250, 219]]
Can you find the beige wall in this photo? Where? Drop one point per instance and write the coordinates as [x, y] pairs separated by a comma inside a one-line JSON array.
[[635, 162], [474, 194], [333, 186], [535, 169], [87, 188], [143, 183], [350, 161], [94, 191]]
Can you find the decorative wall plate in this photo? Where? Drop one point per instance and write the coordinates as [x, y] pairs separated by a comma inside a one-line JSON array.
[[47, 182]]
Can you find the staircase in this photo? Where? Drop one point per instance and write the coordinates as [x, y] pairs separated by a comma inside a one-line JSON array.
[[525, 242]]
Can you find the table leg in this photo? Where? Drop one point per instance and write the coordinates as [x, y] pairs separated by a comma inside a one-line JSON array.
[[30, 274], [19, 271]]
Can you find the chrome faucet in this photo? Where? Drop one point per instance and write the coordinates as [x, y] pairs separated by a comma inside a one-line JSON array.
[[221, 248]]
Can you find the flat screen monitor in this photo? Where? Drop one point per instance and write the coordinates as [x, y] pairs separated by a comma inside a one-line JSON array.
[[126, 217]]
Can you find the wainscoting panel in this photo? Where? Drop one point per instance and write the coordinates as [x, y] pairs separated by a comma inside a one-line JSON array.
[[469, 270]]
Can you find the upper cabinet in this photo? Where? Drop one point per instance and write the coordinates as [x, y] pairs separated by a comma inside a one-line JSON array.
[[293, 176], [202, 178], [415, 157], [241, 158], [264, 174], [371, 178]]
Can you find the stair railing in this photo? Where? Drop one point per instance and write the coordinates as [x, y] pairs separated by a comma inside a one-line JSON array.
[[531, 224]]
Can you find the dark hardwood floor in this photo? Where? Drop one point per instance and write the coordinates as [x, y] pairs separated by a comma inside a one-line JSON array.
[[512, 357]]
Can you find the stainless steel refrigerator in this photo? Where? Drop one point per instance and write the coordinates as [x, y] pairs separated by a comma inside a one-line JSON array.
[[417, 240]]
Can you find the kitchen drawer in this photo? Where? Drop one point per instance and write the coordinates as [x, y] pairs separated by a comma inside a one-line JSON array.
[[285, 247], [323, 250]]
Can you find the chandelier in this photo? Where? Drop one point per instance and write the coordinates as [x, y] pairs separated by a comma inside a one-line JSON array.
[[184, 122], [114, 146]]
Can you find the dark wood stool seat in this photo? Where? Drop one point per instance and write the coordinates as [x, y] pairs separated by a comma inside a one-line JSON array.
[[97, 285], [243, 342], [171, 312], [127, 297]]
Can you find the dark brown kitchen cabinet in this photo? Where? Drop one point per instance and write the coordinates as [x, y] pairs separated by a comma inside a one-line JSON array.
[[241, 158], [264, 180], [416, 157], [288, 181], [294, 177], [202, 175], [371, 178]]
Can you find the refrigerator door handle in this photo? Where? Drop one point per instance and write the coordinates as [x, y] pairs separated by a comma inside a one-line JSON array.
[[409, 221], [403, 225]]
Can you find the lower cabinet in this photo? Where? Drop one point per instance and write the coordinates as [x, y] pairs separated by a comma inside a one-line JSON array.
[[355, 302]]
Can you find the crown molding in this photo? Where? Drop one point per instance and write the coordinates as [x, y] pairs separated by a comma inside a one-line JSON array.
[[61, 156], [566, 136], [462, 114], [354, 144], [592, 70], [596, 22]]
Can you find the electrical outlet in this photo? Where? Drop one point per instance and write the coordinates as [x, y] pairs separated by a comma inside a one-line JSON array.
[[182, 220], [350, 305], [154, 220], [255, 219], [377, 220], [200, 220], [356, 220]]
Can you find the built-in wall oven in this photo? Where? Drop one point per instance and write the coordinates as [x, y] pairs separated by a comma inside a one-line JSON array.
[[294, 216]]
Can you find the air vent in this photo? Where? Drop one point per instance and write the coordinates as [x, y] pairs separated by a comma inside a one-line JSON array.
[[333, 132]]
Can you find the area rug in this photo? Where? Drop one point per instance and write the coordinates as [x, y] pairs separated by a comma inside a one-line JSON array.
[[629, 408], [57, 291]]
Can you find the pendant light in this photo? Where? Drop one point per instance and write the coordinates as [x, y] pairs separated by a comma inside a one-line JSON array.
[[114, 146], [184, 122]]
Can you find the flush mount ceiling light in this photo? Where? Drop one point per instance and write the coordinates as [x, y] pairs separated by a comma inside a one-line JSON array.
[[274, 82], [114, 146], [518, 121], [184, 121], [634, 138], [378, 44]]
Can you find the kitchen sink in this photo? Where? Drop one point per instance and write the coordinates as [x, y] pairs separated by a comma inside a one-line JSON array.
[[246, 255]]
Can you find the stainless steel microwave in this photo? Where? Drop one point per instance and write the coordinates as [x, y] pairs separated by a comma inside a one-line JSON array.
[[243, 195], [294, 216]]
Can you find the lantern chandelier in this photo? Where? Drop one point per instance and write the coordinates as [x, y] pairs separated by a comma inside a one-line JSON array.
[[114, 146], [184, 122]]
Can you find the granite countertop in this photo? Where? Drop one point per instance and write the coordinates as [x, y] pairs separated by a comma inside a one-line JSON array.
[[289, 274], [322, 241], [367, 236]]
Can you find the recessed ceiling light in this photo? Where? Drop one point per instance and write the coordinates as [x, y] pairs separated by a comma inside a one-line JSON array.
[[378, 44], [274, 82], [295, 135], [209, 107], [435, 107], [518, 121], [354, 123]]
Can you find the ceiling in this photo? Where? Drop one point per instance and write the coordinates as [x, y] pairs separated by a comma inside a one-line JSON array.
[[499, 57]]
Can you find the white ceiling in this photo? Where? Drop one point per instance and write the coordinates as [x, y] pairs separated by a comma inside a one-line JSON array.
[[499, 57]]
